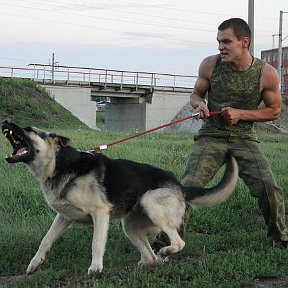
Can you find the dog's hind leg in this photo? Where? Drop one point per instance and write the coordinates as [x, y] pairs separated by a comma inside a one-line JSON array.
[[166, 207], [177, 244], [58, 226], [137, 230]]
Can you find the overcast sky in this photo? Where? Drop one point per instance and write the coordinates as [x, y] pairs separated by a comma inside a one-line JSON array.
[[166, 36]]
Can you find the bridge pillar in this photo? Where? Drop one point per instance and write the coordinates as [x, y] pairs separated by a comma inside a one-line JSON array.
[[125, 114], [165, 106], [77, 100], [136, 114]]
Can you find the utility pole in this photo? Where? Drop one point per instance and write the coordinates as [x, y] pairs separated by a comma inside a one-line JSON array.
[[53, 67], [251, 24], [280, 48], [279, 67], [273, 42]]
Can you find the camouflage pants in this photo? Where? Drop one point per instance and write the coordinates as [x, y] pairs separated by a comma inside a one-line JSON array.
[[206, 158]]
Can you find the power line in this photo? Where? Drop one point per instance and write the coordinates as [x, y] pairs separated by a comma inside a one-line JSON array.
[[150, 35], [110, 19], [129, 21]]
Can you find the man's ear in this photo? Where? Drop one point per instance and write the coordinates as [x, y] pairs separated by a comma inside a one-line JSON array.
[[245, 42]]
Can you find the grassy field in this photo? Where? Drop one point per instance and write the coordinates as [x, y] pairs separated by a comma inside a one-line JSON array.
[[226, 245], [26, 102]]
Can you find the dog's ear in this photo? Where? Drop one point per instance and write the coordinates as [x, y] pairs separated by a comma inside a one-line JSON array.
[[64, 141], [61, 140]]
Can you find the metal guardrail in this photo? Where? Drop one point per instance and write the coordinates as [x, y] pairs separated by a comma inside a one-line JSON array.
[[71, 75]]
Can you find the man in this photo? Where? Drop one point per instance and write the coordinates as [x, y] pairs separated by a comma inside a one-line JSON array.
[[236, 83]]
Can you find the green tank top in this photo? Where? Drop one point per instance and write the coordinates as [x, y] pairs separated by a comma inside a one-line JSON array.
[[237, 89]]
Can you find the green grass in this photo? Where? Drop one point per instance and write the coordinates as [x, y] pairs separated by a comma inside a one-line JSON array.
[[226, 245], [25, 102], [100, 120]]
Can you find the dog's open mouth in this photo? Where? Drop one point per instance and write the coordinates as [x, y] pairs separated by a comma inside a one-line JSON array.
[[21, 147]]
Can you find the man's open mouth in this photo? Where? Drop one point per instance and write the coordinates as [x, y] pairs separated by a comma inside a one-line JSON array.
[[21, 150], [223, 54]]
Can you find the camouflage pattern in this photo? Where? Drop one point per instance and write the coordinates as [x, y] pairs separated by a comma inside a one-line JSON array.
[[208, 155], [237, 89]]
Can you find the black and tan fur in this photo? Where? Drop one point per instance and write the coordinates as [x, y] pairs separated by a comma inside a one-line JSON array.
[[92, 188]]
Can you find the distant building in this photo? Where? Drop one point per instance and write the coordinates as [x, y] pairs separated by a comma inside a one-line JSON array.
[[271, 57]]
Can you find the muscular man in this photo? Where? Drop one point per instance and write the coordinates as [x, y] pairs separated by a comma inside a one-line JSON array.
[[236, 83]]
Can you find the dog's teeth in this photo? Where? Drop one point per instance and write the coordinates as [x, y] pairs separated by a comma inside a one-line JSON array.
[[11, 132], [5, 132], [22, 151]]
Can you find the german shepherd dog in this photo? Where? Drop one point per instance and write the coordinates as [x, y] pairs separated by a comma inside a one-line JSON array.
[[91, 188]]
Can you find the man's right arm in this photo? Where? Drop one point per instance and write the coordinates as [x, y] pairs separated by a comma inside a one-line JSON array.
[[201, 87]]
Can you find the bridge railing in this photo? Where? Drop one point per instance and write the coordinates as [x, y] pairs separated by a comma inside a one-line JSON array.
[[71, 75]]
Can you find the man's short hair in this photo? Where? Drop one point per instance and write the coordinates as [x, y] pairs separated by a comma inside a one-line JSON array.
[[238, 25]]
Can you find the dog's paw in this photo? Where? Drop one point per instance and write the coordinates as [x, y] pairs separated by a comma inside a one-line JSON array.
[[149, 262], [95, 270], [32, 267], [161, 260]]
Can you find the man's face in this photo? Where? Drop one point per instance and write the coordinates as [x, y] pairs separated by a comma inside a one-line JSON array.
[[231, 48]]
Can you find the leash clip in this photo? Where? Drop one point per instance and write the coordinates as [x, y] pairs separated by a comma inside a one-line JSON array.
[[102, 147], [99, 148]]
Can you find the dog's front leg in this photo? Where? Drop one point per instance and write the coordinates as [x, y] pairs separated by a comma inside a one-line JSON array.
[[100, 226], [58, 226]]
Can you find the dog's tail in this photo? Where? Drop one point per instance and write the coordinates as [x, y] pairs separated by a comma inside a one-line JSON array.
[[218, 194]]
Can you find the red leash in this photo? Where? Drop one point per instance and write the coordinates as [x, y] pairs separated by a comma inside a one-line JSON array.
[[103, 147]]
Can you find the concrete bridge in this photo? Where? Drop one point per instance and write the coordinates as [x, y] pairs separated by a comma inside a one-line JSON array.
[[139, 100]]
